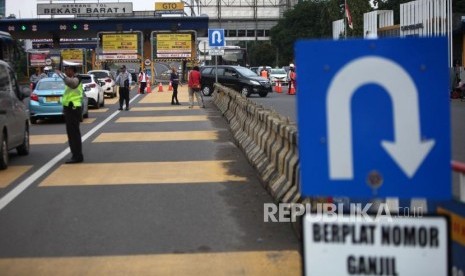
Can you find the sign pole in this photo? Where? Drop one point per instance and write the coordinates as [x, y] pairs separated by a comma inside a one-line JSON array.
[[204, 52], [216, 68]]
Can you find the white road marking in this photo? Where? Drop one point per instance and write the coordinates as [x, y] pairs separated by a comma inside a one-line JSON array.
[[5, 200]]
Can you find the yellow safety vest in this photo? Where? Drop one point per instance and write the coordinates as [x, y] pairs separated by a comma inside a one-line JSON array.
[[73, 95]]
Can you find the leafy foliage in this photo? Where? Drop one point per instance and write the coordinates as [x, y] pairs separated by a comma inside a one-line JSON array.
[[391, 5], [308, 19], [313, 19], [262, 53]]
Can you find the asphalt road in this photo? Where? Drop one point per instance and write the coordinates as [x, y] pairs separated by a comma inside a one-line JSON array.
[[163, 191]]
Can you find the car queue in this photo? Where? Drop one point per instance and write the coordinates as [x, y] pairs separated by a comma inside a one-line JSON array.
[[21, 106]]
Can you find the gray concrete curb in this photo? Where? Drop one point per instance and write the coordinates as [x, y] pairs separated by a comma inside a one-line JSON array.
[[267, 139]]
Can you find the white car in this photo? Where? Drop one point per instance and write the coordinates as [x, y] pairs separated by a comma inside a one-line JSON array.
[[93, 90], [278, 74], [106, 80]]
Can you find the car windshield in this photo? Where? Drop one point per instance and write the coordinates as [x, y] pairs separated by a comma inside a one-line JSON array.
[[51, 85], [278, 71], [246, 72], [99, 75], [86, 79]]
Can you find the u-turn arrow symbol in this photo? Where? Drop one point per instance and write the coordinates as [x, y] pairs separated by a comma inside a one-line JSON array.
[[407, 150], [217, 35]]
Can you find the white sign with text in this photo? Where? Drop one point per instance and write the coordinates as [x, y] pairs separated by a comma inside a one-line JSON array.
[[345, 245], [84, 8]]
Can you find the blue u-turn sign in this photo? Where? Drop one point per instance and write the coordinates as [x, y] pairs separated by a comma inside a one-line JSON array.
[[373, 118], [216, 38]]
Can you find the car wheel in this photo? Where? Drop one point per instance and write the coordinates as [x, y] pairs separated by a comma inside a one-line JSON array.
[[34, 121], [23, 149], [3, 152], [263, 94], [103, 102], [207, 90], [245, 91], [97, 103]]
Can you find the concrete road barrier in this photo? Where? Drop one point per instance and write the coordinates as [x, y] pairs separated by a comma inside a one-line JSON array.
[[268, 139]]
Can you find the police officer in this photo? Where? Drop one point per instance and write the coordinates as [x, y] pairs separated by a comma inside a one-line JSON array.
[[72, 110], [124, 81]]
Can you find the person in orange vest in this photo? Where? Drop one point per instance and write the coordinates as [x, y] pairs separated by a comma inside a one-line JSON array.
[[142, 81], [264, 72], [292, 77]]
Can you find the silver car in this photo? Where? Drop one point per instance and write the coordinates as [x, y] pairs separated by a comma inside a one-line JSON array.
[[14, 116], [278, 75]]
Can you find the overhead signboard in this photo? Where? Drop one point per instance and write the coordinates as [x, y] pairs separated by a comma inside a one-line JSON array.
[[85, 8], [72, 55], [352, 246], [37, 59], [169, 8], [174, 45], [374, 118], [119, 43]]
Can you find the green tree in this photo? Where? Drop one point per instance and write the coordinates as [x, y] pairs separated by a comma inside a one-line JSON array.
[[313, 19], [357, 9], [308, 19], [393, 5], [458, 6], [262, 53], [21, 64]]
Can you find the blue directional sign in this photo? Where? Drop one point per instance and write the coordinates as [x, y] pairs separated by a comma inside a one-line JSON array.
[[216, 38], [373, 118]]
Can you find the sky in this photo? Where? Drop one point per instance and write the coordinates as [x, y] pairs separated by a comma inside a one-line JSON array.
[[28, 8]]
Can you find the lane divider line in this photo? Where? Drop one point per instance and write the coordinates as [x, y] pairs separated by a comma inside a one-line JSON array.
[[10, 196]]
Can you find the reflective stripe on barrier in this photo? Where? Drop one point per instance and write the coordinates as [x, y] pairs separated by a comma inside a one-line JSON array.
[[460, 168]]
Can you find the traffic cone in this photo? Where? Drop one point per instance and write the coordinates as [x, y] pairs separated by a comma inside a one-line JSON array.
[[148, 89], [278, 88], [170, 87], [160, 87], [292, 89]]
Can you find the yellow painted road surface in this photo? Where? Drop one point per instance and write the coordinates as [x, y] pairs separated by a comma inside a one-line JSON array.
[[147, 173], [157, 136], [162, 119], [10, 175], [220, 180], [266, 263]]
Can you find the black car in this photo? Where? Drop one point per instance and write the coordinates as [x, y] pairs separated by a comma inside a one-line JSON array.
[[237, 78]]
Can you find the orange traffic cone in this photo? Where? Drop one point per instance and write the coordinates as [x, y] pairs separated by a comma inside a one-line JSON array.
[[170, 87], [148, 89], [160, 87], [278, 88], [292, 89]]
